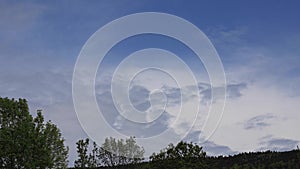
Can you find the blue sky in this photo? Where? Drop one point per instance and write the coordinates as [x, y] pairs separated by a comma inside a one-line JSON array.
[[258, 43]]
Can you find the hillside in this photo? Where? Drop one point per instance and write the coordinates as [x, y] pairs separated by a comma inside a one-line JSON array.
[[257, 160]]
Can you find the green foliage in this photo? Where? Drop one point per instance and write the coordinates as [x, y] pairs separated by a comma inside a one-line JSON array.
[[120, 152], [182, 156], [83, 158], [27, 142], [181, 150], [257, 160], [94, 160], [113, 152]]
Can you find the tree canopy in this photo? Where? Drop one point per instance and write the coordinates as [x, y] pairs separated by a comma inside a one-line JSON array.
[[113, 152], [27, 142], [181, 150]]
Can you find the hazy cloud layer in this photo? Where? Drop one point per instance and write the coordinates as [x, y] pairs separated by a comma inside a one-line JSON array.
[[140, 99], [278, 144]]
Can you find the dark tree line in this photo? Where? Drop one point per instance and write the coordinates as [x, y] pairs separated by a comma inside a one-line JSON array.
[[254, 160], [191, 156]]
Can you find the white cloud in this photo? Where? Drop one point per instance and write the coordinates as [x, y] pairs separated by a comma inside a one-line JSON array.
[[277, 144], [256, 101]]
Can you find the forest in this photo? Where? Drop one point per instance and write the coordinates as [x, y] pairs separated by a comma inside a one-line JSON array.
[[28, 142], [191, 156], [254, 160]]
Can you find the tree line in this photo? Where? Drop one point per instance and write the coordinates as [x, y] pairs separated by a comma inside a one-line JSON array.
[[191, 156], [28, 142]]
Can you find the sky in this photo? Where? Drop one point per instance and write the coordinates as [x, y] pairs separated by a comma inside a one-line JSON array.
[[258, 44]]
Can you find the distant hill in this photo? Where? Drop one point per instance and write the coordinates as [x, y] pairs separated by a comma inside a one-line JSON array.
[[257, 160]]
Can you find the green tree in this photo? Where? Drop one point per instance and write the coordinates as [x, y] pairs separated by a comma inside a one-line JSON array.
[[113, 152], [49, 149], [181, 150], [120, 152], [94, 161], [27, 142], [82, 150], [16, 127]]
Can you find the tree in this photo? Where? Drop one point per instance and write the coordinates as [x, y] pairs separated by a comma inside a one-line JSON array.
[[27, 142], [113, 152], [56, 151], [181, 150], [183, 155], [14, 121], [94, 161], [83, 158], [119, 152]]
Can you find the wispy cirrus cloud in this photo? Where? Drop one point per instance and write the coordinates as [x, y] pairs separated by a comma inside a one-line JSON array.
[[259, 122], [233, 91]]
